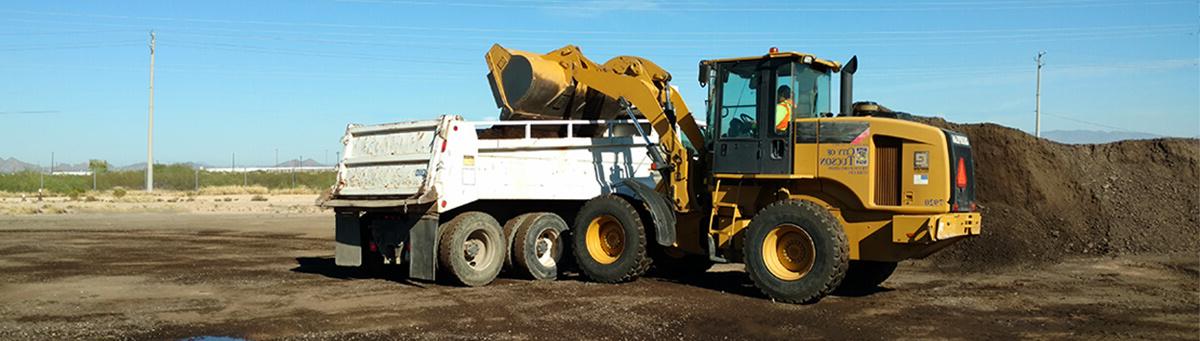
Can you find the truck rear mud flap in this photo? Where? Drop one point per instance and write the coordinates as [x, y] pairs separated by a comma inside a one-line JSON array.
[[351, 237]]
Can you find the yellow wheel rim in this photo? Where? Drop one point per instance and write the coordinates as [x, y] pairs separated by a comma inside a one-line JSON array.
[[605, 239], [788, 252]]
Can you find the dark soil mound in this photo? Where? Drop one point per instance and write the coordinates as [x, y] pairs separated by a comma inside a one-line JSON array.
[[1043, 200]]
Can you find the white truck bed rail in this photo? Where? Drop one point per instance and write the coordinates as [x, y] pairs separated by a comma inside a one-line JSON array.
[[444, 162]]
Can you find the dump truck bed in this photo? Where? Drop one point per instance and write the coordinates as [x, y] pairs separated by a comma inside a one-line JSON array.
[[445, 162]]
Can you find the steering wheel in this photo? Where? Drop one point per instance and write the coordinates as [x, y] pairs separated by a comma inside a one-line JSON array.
[[745, 118]]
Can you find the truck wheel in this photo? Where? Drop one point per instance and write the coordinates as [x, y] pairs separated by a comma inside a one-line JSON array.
[[796, 251], [471, 249], [610, 240], [865, 275], [538, 246], [510, 231]]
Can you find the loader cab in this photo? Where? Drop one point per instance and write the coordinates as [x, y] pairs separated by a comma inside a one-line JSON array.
[[752, 127]]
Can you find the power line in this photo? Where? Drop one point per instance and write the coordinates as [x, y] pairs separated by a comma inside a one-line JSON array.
[[1092, 123], [526, 31], [887, 7], [30, 112]]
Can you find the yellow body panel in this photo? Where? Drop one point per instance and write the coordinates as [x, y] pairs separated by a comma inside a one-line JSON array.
[[885, 180]]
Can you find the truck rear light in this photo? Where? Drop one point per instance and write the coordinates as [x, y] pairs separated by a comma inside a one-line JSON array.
[[973, 207], [961, 174], [954, 207], [374, 248]]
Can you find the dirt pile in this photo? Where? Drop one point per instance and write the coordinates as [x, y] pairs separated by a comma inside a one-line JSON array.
[[1043, 200]]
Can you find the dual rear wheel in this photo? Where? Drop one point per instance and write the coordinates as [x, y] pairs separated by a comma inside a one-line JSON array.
[[473, 248]]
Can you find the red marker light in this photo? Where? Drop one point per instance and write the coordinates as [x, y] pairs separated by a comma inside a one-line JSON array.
[[443, 146], [774, 50], [961, 178], [443, 203]]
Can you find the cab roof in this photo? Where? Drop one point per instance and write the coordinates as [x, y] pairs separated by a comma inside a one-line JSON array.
[[832, 65]]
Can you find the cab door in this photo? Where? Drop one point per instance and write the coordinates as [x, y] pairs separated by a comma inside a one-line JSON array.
[[775, 146], [737, 147]]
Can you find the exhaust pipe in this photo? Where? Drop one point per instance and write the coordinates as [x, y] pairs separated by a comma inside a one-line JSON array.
[[848, 86]]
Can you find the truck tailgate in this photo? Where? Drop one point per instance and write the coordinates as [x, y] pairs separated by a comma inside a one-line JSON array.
[[388, 160]]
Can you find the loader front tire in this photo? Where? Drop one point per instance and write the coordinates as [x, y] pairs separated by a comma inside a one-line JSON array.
[[795, 251], [610, 240], [471, 249]]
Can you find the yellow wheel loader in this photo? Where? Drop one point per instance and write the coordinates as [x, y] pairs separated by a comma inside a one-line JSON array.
[[809, 200]]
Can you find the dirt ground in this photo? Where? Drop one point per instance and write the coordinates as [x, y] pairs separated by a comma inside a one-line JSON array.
[[270, 275]]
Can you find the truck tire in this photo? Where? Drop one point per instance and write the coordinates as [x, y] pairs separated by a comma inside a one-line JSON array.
[[796, 251], [471, 249], [863, 276], [510, 232], [538, 246], [610, 240]]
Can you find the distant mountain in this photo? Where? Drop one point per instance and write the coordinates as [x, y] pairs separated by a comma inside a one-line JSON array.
[[66, 167], [136, 166], [12, 165], [298, 163], [1094, 136]]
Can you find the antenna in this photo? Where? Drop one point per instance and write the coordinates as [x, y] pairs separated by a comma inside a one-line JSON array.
[[1037, 111]]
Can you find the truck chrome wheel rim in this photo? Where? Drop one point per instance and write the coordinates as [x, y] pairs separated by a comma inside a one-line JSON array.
[[788, 252], [475, 250], [544, 248], [605, 239]]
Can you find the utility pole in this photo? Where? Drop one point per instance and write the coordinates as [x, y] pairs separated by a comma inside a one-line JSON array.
[[51, 163], [1037, 127], [150, 125], [233, 162]]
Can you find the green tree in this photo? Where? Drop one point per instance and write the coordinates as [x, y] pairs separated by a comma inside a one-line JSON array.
[[98, 166]]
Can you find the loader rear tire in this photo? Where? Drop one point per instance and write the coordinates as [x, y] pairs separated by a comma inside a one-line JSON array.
[[610, 240], [538, 246], [863, 276], [471, 249], [795, 251]]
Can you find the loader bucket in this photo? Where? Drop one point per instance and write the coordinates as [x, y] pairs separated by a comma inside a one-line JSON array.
[[540, 86]]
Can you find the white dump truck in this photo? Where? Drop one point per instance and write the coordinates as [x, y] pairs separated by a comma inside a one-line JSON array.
[[433, 194]]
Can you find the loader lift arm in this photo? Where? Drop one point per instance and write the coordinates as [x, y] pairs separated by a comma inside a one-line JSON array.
[[538, 85]]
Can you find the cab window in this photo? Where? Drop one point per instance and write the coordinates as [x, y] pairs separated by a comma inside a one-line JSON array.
[[739, 101]]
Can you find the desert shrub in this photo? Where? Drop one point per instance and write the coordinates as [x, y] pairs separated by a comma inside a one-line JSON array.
[[118, 192], [258, 198]]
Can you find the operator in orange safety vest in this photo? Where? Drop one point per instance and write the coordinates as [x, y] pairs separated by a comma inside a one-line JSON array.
[[783, 109]]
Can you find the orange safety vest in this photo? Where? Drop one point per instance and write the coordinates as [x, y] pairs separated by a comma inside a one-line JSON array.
[[783, 114]]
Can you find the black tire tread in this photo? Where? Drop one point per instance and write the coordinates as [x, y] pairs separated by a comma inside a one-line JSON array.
[[520, 266], [642, 260], [445, 247], [838, 237]]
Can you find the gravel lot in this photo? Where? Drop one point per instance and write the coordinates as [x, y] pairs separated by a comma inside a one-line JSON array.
[[270, 275]]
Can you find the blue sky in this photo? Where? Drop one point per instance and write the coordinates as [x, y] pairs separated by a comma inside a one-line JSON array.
[[250, 77]]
